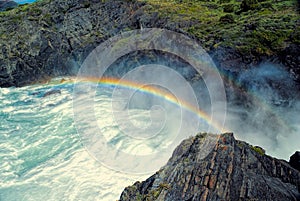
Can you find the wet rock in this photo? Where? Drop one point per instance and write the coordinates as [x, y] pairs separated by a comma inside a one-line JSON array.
[[232, 171], [51, 92]]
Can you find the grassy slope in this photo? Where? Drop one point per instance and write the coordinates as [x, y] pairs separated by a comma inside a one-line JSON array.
[[266, 28]]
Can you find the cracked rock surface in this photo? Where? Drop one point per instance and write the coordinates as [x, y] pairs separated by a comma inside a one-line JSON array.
[[233, 170]]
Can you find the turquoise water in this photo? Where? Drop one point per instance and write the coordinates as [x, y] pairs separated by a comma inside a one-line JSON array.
[[41, 154], [24, 1], [44, 156]]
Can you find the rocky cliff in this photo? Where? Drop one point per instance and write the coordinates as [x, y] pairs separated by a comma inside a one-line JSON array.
[[7, 4], [53, 37], [234, 170]]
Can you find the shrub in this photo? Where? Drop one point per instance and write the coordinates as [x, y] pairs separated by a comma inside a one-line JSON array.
[[228, 8], [249, 5], [228, 18]]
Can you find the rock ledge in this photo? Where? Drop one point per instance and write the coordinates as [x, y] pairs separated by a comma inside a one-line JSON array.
[[234, 170]]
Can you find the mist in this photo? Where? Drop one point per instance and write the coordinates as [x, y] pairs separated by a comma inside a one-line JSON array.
[[262, 101], [263, 109]]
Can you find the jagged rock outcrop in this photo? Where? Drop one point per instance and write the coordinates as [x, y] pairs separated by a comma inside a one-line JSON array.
[[52, 38], [234, 170], [7, 4]]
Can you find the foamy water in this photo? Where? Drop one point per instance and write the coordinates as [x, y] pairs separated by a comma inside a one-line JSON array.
[[41, 153], [44, 156]]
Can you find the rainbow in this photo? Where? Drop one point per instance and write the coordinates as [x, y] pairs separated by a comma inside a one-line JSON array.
[[111, 81]]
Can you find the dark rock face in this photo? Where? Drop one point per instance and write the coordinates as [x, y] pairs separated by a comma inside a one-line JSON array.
[[234, 170], [295, 160], [7, 4], [52, 38]]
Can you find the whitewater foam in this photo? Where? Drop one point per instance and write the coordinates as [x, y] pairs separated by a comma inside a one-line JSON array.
[[42, 157]]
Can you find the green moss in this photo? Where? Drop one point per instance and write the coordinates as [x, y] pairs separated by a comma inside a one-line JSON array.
[[154, 193], [99, 34], [3, 36], [258, 150], [186, 160], [240, 145], [139, 197], [24, 7]]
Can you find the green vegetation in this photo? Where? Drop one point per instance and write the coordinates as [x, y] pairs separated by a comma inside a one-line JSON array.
[[17, 17], [251, 27], [152, 195], [258, 27], [258, 150], [155, 192], [19, 13]]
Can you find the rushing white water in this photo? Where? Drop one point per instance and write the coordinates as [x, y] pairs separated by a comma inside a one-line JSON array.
[[41, 154]]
